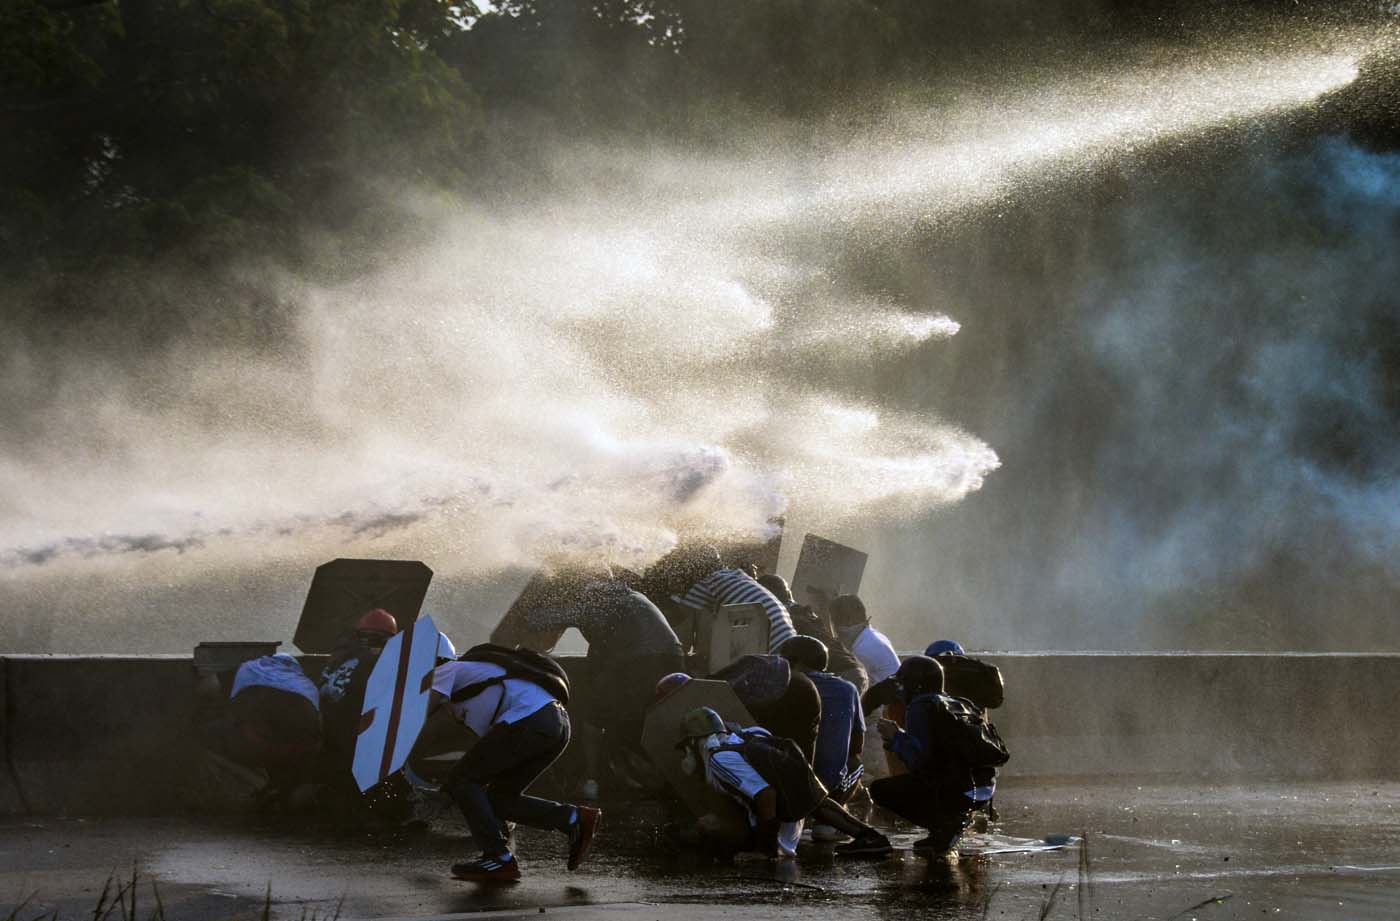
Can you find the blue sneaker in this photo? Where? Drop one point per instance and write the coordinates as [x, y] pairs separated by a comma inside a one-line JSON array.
[[484, 869]]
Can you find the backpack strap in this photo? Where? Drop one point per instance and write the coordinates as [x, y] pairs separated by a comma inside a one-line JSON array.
[[476, 687], [523, 665]]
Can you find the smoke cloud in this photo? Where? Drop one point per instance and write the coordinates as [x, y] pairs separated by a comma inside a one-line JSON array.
[[659, 342], [1208, 458]]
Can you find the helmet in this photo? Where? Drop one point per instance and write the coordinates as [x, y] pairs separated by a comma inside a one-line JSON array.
[[701, 721], [919, 675], [445, 648], [777, 585], [669, 683], [805, 651], [943, 648], [847, 610], [377, 621]]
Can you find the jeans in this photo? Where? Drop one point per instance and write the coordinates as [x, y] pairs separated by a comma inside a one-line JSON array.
[[940, 808], [488, 784]]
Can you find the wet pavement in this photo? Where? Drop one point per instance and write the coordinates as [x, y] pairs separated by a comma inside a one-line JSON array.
[[1313, 851]]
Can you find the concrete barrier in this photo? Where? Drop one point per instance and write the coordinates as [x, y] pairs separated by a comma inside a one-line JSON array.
[[1211, 715], [100, 734], [95, 734]]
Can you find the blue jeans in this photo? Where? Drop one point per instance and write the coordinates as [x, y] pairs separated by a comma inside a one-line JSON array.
[[489, 783]]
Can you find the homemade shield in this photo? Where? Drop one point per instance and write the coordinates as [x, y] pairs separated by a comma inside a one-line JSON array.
[[662, 730], [732, 631], [396, 703], [343, 590], [826, 569], [543, 590], [762, 553]]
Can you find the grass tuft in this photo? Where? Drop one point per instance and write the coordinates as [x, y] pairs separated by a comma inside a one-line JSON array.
[[1048, 905], [1213, 900], [1085, 892], [14, 912]]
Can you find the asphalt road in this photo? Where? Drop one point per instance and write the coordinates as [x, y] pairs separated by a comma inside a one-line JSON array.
[[1312, 851]]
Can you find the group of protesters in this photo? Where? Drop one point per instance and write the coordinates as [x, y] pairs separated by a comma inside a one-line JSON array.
[[808, 755]]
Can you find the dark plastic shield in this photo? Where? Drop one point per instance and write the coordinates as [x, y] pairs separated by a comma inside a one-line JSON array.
[[662, 731], [343, 590], [826, 569], [545, 589]]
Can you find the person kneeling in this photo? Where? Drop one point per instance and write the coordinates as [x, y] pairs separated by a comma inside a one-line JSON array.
[[273, 723], [774, 784], [944, 744]]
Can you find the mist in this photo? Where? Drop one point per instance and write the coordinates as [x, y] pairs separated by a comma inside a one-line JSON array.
[[1069, 389]]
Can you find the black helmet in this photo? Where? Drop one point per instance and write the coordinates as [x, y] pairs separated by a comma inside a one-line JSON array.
[[919, 675], [777, 585], [805, 651]]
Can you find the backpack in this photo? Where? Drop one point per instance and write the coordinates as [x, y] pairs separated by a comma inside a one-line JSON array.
[[782, 764], [520, 663], [972, 679], [963, 727], [757, 679]]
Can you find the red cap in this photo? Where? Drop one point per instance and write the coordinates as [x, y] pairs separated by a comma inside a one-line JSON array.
[[669, 683]]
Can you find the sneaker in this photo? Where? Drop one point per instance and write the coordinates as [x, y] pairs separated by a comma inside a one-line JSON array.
[[870, 844], [826, 834], [935, 846], [483, 869], [586, 822]]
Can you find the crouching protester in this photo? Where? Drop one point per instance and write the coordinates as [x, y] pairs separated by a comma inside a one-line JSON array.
[[774, 784], [841, 731], [980, 683], [513, 700], [273, 723], [781, 698], [944, 743]]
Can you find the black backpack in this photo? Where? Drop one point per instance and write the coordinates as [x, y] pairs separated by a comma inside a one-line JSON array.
[[521, 663], [964, 728], [782, 764], [972, 679]]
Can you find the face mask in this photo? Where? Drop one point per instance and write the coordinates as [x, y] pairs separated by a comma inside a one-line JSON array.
[[689, 764]]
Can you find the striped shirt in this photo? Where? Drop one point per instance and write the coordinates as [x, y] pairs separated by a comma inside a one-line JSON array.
[[729, 773], [732, 586]]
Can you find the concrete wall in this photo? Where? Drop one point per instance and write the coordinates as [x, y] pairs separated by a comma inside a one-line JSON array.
[[85, 734], [1216, 716], [92, 734]]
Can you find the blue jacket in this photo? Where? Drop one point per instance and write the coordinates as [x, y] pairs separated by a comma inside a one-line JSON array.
[[920, 745]]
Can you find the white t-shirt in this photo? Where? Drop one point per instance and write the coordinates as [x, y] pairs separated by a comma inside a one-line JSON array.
[[508, 702], [876, 653]]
